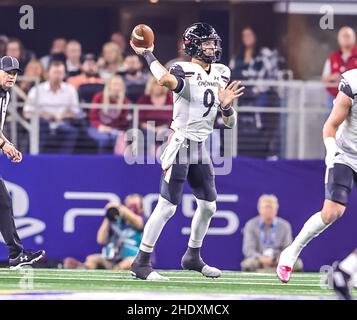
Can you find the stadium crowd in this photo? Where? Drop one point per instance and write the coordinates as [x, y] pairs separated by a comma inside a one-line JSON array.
[[117, 76], [70, 77]]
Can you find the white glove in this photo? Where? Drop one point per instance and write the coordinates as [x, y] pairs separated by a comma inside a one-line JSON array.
[[331, 149]]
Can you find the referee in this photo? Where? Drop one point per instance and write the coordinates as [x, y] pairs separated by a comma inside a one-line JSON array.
[[18, 257]]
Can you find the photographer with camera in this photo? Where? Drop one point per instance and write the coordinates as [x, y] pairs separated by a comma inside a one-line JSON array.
[[120, 234]]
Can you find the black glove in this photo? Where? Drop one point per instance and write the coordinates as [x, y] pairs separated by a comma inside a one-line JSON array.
[[112, 214]]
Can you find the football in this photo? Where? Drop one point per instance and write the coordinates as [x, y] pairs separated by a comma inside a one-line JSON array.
[[142, 36]]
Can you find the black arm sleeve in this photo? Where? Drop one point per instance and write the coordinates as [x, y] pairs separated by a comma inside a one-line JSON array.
[[345, 88], [149, 57], [178, 72]]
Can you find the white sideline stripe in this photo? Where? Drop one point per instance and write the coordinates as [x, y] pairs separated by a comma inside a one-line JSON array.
[[197, 279], [157, 296], [297, 274], [213, 281], [181, 276], [165, 272], [248, 279]]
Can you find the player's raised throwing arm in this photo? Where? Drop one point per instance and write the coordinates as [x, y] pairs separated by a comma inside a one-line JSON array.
[[157, 69]]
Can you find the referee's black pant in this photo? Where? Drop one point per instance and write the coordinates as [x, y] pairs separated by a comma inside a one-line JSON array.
[[7, 224]]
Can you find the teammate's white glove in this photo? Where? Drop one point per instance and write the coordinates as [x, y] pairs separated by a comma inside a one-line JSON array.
[[331, 149]]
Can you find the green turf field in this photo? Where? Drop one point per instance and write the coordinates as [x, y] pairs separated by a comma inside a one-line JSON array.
[[102, 284]]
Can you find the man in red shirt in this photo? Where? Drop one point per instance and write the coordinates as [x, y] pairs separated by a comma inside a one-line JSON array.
[[339, 61]]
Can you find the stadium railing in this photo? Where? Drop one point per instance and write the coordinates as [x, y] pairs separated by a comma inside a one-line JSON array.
[[276, 119]]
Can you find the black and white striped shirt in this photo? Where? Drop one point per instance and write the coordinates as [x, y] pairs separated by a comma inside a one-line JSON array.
[[4, 102]]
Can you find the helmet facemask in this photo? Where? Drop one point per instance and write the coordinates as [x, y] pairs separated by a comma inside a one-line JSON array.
[[217, 50]]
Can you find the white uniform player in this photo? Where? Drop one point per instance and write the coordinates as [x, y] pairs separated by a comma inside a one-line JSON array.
[[340, 138], [346, 136], [196, 105], [200, 90]]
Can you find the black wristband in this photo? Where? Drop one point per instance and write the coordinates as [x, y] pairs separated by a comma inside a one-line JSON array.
[[149, 57], [2, 145], [227, 112]]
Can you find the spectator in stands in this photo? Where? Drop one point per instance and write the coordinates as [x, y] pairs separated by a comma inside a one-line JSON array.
[[111, 61], [265, 236], [57, 52], [120, 234], [15, 48], [339, 61], [56, 102], [89, 72], [108, 122], [181, 56], [73, 58], [33, 70], [134, 77], [256, 63], [156, 96], [119, 39], [88, 83], [3, 42]]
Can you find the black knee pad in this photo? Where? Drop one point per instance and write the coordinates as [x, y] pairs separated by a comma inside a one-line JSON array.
[[339, 183], [201, 180], [207, 193], [337, 193]]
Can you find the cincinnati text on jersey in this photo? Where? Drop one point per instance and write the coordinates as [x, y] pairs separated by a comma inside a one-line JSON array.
[[207, 83]]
